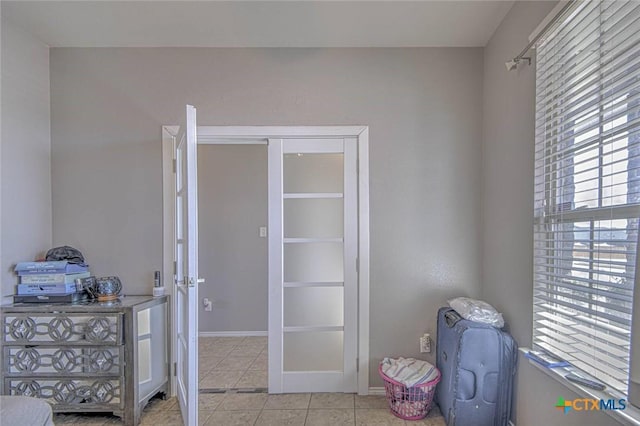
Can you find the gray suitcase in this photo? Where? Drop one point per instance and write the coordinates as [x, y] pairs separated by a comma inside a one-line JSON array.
[[477, 362]]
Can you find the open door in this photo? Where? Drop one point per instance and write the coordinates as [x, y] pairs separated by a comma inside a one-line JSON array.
[[186, 281]]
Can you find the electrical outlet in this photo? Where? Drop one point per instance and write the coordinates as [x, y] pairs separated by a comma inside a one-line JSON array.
[[208, 304], [425, 343]]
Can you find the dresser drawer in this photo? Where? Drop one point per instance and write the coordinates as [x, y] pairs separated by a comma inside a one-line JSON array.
[[63, 360], [89, 392], [61, 328]]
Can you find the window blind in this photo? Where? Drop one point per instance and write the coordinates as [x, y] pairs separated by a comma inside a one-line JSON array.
[[587, 187]]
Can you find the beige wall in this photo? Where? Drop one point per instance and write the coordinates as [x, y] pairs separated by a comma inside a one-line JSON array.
[[25, 172], [424, 109], [232, 206], [507, 210]]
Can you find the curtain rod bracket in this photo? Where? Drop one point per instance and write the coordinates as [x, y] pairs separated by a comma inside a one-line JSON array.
[[513, 64]]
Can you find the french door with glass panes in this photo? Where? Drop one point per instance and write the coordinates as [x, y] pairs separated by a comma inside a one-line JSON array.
[[313, 221], [186, 272]]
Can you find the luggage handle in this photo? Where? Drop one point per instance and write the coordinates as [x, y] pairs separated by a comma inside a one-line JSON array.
[[451, 318]]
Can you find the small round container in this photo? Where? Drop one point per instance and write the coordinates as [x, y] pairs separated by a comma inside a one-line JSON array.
[[108, 288]]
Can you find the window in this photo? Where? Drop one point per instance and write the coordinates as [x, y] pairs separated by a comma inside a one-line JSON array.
[[587, 188]]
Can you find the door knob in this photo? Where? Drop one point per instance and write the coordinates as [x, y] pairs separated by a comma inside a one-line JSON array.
[[192, 281]]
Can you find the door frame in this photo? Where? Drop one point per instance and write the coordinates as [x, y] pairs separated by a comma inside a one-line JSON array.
[[259, 135]]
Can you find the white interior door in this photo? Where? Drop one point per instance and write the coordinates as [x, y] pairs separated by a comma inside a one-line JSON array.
[[312, 265], [186, 281]]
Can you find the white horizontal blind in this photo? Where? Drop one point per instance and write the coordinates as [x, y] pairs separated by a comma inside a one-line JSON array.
[[587, 187]]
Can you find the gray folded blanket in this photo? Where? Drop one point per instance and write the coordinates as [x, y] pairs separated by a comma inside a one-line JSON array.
[[25, 410]]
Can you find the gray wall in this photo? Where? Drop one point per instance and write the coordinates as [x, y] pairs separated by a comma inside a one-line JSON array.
[[424, 109], [25, 181], [507, 210], [232, 206]]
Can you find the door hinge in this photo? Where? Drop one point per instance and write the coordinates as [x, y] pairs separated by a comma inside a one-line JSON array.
[[175, 368], [357, 264], [175, 166], [357, 364], [175, 267]]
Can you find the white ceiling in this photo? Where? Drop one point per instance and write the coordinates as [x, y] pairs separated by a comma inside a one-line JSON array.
[[239, 23]]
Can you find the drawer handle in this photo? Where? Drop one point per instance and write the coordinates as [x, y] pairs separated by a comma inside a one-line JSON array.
[[101, 360], [103, 391], [27, 359], [22, 328], [98, 329], [29, 389]]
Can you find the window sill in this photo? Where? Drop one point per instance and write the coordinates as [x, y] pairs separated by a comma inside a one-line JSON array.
[[629, 416]]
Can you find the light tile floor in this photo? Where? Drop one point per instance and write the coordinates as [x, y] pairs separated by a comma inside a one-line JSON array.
[[261, 409], [231, 363]]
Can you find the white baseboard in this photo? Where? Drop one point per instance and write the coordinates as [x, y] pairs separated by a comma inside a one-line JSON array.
[[233, 334], [376, 390]]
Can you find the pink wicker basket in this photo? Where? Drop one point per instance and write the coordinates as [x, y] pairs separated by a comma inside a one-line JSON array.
[[412, 403]]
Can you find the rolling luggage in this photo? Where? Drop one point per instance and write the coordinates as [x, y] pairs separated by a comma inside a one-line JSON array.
[[478, 363]]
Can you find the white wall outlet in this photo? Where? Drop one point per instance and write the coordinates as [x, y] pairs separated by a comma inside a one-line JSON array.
[[263, 232], [208, 304], [425, 343]]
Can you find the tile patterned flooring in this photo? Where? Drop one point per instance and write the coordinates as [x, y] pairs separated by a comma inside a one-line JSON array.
[[233, 362], [233, 381]]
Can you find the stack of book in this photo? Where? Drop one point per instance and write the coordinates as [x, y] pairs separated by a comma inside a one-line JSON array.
[[49, 281]]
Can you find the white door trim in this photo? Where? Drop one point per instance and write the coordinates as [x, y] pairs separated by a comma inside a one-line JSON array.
[[363, 262], [255, 135], [350, 264], [276, 270], [168, 237]]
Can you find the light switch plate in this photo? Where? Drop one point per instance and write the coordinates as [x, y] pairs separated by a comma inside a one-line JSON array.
[[263, 231]]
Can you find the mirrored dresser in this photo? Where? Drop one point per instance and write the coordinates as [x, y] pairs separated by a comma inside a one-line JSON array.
[[87, 357]]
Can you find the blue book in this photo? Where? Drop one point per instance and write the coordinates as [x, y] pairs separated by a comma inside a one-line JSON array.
[[546, 359], [52, 278], [46, 288], [59, 266]]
